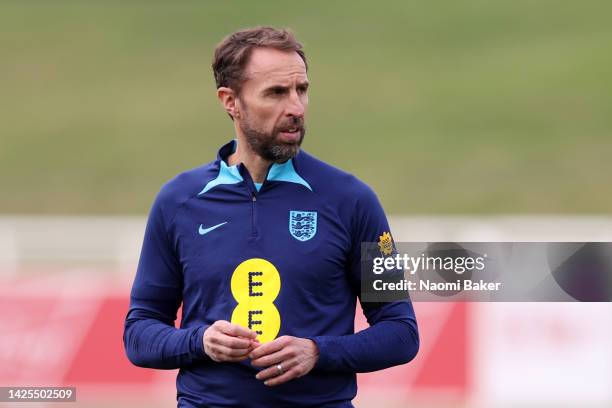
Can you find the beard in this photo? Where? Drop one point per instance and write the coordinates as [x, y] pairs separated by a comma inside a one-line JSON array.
[[268, 145]]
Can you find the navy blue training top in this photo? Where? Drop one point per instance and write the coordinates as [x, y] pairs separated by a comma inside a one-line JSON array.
[[283, 259]]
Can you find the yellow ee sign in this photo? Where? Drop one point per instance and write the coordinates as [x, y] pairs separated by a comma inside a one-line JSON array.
[[255, 284]]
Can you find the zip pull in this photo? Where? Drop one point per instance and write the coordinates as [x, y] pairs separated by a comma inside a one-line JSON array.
[[254, 198]]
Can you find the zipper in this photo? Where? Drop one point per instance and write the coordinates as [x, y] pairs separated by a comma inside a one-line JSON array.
[[253, 214], [250, 185]]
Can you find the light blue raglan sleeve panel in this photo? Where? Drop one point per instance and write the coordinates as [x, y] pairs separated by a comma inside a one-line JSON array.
[[392, 337], [150, 338]]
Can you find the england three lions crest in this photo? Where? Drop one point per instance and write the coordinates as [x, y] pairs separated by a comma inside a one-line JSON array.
[[302, 224]]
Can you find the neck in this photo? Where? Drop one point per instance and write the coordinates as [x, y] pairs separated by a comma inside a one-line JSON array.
[[255, 164]]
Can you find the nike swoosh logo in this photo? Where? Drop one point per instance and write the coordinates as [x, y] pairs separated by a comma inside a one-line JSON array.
[[204, 231]]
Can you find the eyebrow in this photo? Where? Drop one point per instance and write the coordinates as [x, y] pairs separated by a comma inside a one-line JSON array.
[[277, 87]]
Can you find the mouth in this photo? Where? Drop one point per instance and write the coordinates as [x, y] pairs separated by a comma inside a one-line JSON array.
[[290, 135]]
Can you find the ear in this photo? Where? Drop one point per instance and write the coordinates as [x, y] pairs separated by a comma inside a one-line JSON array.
[[228, 99]]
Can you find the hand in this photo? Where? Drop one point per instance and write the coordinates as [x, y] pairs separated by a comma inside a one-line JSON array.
[[224, 341], [294, 356]]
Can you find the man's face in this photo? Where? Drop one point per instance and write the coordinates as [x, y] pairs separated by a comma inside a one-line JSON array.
[[272, 103]]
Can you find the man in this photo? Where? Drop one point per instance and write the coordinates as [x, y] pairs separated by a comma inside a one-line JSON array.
[[262, 247]]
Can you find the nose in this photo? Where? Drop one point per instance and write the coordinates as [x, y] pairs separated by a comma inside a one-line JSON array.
[[295, 106]]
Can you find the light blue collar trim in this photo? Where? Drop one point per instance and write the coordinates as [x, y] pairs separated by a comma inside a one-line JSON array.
[[227, 175], [286, 172]]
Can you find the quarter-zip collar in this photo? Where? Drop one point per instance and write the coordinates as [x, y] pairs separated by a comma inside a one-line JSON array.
[[283, 172]]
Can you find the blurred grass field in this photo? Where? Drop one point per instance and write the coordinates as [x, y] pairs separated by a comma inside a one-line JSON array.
[[442, 107]]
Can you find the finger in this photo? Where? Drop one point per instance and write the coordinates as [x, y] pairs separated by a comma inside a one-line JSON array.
[[227, 359], [269, 359], [229, 352], [268, 348], [234, 359], [283, 378], [222, 357], [237, 330], [272, 371], [233, 342]]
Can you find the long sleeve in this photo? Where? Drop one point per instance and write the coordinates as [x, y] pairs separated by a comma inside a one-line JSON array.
[[150, 338], [392, 337]]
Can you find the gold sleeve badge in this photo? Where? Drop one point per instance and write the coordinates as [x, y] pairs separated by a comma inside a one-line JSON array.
[[385, 243]]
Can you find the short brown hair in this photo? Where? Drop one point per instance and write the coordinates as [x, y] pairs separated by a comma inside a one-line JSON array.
[[232, 54]]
